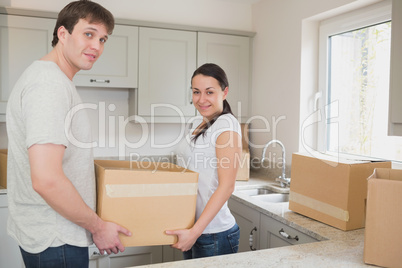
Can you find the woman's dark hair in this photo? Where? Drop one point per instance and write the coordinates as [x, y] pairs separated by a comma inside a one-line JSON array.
[[84, 9], [213, 70]]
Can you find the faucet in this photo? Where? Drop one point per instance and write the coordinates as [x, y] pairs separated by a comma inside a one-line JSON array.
[[282, 179]]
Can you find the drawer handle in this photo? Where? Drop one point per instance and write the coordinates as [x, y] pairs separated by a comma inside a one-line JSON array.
[[99, 81], [95, 254], [285, 235], [250, 240]]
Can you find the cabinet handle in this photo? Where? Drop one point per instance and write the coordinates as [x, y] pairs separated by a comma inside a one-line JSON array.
[[285, 235], [191, 96], [95, 254], [99, 81], [250, 240]]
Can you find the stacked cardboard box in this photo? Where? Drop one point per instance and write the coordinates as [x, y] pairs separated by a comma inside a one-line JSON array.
[[383, 234], [3, 168], [331, 190], [147, 198], [243, 172]]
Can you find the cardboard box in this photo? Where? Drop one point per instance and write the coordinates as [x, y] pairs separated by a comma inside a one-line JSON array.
[[243, 172], [331, 190], [383, 234], [3, 168], [147, 198]]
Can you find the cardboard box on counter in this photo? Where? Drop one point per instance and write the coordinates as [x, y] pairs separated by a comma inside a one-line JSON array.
[[243, 172], [3, 168], [147, 198], [331, 190], [383, 233]]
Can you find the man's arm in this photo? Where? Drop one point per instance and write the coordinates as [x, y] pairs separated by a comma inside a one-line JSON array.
[[50, 182]]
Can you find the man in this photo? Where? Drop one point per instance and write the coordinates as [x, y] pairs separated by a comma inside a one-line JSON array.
[[51, 182]]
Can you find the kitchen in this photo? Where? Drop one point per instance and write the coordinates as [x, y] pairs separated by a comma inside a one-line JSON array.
[[283, 66]]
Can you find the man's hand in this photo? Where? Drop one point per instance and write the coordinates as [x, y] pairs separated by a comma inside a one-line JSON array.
[[106, 238]]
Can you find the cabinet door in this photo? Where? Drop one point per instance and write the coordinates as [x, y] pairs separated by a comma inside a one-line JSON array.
[[248, 220], [232, 53], [22, 41], [167, 61], [10, 255], [276, 234], [171, 254], [118, 64], [132, 256]]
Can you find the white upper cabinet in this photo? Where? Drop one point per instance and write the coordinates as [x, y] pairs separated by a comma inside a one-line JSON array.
[[118, 64], [22, 41], [156, 64], [167, 60], [232, 53]]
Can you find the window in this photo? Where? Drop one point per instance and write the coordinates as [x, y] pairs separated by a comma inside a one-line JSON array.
[[354, 79]]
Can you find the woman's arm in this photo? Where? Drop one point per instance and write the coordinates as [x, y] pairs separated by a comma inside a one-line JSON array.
[[228, 151]]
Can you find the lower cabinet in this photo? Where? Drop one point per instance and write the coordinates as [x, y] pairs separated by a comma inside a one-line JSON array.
[[248, 220], [132, 256], [259, 231], [276, 234], [171, 254]]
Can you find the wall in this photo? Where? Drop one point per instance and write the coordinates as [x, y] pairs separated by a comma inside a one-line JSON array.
[[285, 68]]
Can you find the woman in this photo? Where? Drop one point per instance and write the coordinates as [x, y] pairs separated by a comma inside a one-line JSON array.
[[212, 149]]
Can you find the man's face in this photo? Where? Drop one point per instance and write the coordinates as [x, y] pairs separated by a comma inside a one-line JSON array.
[[84, 45]]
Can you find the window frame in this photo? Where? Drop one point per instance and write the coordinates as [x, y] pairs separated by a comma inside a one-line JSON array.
[[370, 15]]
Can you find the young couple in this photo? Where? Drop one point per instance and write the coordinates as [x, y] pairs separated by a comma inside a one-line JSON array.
[[51, 182]]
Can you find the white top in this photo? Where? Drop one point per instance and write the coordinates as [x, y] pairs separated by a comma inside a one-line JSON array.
[[38, 113], [201, 157]]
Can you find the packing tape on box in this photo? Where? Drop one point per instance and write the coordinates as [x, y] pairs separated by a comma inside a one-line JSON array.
[[147, 190], [319, 206]]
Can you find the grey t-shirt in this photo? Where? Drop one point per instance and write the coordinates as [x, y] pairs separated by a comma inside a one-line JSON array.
[[44, 107]]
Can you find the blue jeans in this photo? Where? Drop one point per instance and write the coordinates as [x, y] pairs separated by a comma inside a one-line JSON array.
[[65, 256], [207, 245]]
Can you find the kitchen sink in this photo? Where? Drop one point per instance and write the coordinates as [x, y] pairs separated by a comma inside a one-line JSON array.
[[262, 190], [265, 193], [256, 191], [272, 198]]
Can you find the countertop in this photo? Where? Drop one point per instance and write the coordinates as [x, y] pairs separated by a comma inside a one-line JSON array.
[[336, 248]]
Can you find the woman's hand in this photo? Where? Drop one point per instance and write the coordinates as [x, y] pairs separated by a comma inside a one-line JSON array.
[[185, 238]]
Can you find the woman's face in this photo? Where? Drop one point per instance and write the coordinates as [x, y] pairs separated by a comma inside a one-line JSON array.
[[208, 96]]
